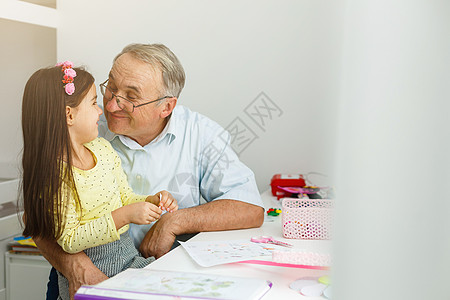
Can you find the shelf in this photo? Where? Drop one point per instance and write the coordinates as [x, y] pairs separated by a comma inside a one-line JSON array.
[[28, 13], [48, 3], [9, 188]]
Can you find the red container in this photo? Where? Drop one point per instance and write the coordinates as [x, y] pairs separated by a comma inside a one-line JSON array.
[[296, 180]]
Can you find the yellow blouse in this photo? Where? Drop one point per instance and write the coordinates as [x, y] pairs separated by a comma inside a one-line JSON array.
[[101, 189]]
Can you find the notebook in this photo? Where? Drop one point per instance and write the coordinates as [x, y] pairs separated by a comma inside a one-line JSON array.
[[138, 284]]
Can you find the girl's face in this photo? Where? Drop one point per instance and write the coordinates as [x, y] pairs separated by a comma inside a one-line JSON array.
[[83, 119]]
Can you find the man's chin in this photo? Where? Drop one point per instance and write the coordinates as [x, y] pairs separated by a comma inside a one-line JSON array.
[[117, 127]]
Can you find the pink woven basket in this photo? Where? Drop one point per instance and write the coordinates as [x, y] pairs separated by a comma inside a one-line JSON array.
[[308, 219]]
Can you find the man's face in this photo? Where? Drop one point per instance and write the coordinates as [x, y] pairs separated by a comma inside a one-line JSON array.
[[139, 82]]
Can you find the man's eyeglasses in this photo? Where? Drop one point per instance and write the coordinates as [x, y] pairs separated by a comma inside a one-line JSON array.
[[123, 103]]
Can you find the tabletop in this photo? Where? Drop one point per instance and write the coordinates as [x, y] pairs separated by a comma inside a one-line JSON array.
[[281, 277]]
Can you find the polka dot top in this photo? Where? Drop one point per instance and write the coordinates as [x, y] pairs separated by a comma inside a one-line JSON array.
[[102, 189]]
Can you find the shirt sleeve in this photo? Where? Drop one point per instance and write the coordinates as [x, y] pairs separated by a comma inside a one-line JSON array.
[[224, 176], [126, 193], [77, 237]]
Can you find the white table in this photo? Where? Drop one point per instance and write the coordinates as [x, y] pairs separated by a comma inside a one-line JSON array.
[[281, 277]]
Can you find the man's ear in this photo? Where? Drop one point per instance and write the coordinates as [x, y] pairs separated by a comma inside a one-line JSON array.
[[70, 118], [168, 107]]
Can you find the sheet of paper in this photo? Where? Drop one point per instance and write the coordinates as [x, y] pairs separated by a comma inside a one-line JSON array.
[[211, 253]]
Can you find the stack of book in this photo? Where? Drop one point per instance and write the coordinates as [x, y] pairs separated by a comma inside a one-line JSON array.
[[23, 245]]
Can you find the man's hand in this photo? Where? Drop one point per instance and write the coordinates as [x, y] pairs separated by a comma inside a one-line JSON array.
[[160, 238], [86, 274], [216, 215], [77, 268]]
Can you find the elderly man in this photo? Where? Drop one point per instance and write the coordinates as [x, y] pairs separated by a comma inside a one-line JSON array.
[[165, 146]]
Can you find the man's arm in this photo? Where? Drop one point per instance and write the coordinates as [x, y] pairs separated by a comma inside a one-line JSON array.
[[212, 216], [77, 268]]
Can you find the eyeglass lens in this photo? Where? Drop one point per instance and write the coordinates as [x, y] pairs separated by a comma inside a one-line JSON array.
[[121, 102]]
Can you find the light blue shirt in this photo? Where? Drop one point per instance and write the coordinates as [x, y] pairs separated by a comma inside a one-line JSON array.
[[191, 158]]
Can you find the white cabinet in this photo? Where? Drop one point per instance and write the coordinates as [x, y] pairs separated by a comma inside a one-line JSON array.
[[3, 248], [26, 276], [21, 276], [9, 223]]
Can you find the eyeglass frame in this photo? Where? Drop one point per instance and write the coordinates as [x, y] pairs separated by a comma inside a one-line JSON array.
[[103, 85]]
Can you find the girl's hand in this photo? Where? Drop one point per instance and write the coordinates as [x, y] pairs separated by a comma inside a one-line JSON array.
[[166, 201], [142, 213]]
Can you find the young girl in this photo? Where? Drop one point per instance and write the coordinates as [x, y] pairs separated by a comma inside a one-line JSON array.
[[74, 188]]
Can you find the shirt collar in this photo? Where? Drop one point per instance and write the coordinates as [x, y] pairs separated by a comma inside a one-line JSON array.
[[169, 131]]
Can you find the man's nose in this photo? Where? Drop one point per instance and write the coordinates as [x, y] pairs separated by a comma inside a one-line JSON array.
[[111, 105]]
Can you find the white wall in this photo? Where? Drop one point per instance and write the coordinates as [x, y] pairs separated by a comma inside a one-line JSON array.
[[28, 42], [393, 237], [232, 51]]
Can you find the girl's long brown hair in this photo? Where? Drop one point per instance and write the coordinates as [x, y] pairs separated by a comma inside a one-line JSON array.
[[47, 159]]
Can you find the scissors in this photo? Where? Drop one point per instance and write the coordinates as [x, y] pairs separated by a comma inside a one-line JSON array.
[[268, 240]]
